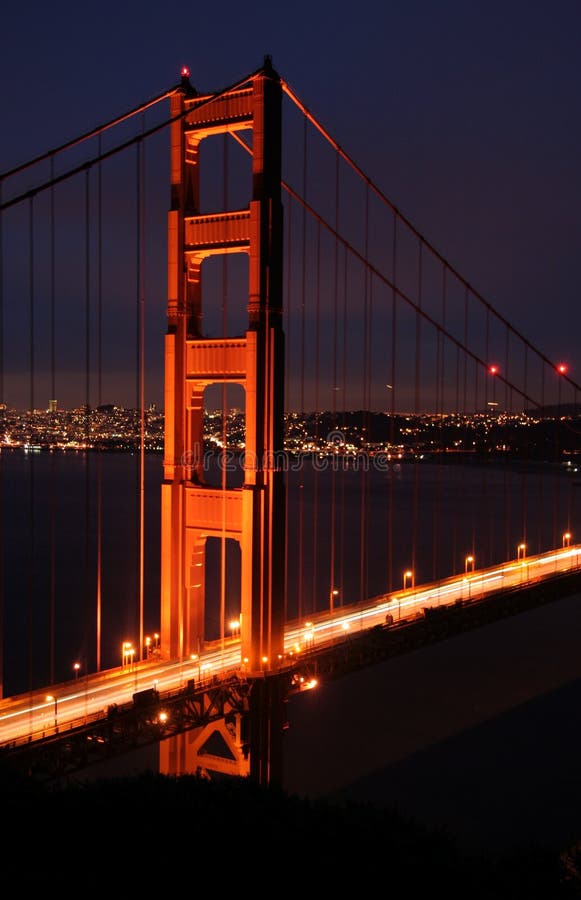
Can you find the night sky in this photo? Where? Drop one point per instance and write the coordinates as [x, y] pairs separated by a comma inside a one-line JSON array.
[[465, 115]]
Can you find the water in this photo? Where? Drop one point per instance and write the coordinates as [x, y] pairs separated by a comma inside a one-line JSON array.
[[478, 736], [61, 511]]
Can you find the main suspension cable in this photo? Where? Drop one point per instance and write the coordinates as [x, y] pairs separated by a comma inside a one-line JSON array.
[[94, 132], [384, 199], [119, 148]]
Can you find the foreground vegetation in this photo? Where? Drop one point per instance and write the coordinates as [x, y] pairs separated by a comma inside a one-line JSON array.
[[117, 835]]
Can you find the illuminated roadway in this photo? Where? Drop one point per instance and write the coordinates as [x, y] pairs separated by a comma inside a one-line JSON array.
[[35, 715]]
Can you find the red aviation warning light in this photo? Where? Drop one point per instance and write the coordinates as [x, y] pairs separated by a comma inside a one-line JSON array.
[[562, 368], [185, 72], [493, 370]]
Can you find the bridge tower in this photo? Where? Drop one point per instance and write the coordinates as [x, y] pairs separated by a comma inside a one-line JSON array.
[[193, 511]]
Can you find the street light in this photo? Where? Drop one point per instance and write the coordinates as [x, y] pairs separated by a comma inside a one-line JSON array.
[[52, 699], [76, 667], [127, 652], [332, 594], [469, 561], [521, 551], [566, 539], [409, 574], [234, 626]]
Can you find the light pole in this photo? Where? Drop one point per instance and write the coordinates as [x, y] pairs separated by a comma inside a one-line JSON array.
[[235, 627], [409, 574], [332, 594], [468, 562], [127, 653], [566, 539], [521, 551], [52, 699], [76, 667]]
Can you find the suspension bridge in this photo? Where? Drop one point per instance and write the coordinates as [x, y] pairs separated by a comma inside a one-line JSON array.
[[256, 431]]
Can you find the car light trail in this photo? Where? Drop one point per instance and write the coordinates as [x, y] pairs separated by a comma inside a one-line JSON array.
[[30, 716]]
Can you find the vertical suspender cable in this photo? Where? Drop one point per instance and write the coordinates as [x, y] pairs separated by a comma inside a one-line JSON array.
[[507, 411], [485, 486], [390, 559], [570, 495], [369, 401], [460, 491], [557, 486], [524, 491], [440, 345], [99, 573], [541, 511], [476, 518], [53, 488], [31, 484], [417, 375], [88, 414], [317, 411], [442, 413], [466, 431], [335, 389], [141, 319], [137, 401], [288, 307], [366, 417], [302, 387]]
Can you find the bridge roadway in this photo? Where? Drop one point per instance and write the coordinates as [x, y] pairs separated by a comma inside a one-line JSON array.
[[32, 715]]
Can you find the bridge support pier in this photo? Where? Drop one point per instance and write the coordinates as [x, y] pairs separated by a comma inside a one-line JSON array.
[[246, 743], [268, 722]]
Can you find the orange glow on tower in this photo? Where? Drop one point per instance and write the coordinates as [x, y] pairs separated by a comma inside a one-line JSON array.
[[192, 511]]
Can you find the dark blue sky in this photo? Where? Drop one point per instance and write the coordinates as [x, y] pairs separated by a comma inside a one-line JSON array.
[[466, 115]]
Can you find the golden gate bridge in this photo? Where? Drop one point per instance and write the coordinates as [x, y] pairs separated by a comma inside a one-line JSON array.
[[403, 469]]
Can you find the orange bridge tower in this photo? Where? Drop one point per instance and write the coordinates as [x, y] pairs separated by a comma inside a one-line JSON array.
[[192, 511]]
